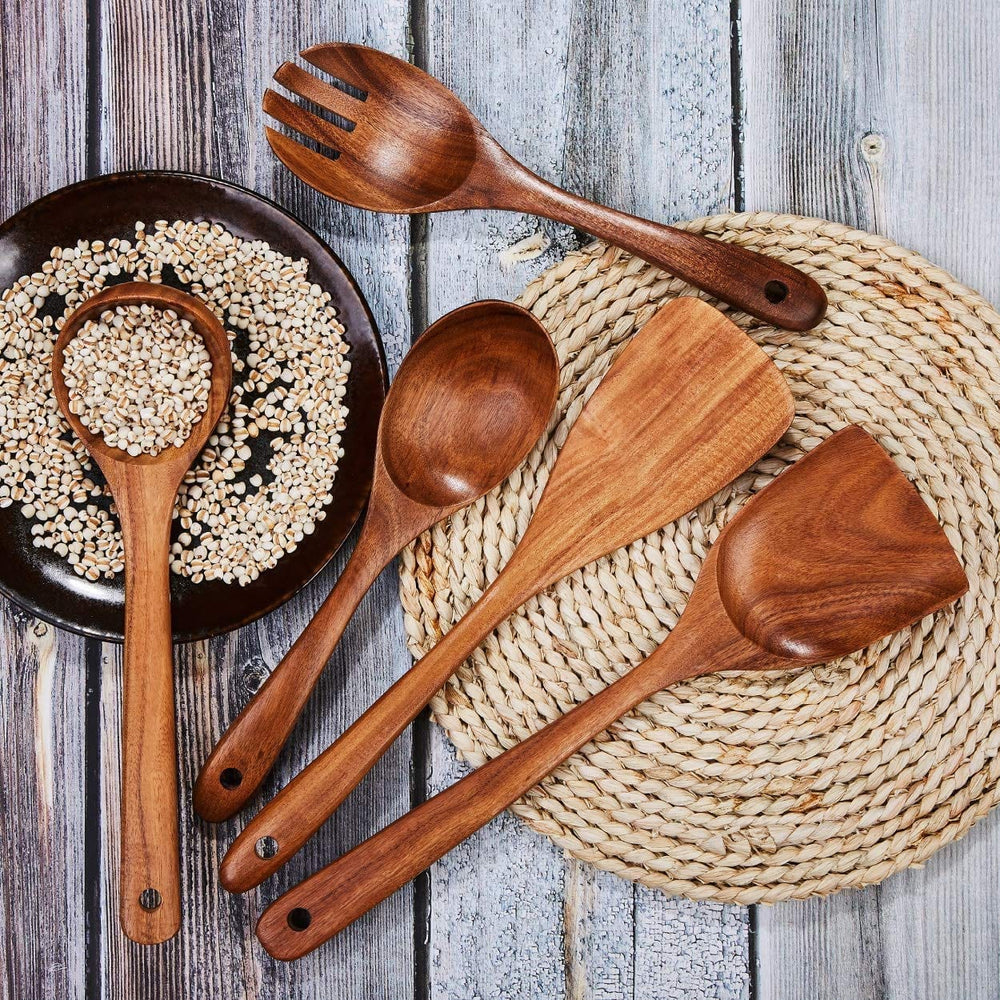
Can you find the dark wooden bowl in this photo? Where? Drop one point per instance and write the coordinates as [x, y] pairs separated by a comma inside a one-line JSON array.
[[104, 207]]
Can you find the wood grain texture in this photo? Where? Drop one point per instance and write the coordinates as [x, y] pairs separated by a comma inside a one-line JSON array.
[[145, 489], [43, 672], [896, 940], [43, 99], [835, 555], [180, 86], [872, 113], [42, 808], [649, 132], [689, 949]]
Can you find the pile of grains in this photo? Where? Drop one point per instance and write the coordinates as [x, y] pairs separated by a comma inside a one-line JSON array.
[[139, 377], [285, 417]]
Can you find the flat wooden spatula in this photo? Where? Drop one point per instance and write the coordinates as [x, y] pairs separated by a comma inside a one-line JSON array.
[[690, 404], [835, 554]]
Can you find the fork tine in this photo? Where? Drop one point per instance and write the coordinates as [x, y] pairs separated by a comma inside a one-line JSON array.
[[340, 179], [290, 151], [314, 168], [298, 118], [303, 83], [338, 60]]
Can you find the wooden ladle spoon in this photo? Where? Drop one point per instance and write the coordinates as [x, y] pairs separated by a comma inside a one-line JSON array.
[[689, 404], [838, 552], [144, 489], [408, 144], [469, 401]]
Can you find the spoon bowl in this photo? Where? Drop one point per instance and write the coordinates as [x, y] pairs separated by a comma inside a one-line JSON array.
[[468, 404], [469, 401], [114, 462], [144, 488]]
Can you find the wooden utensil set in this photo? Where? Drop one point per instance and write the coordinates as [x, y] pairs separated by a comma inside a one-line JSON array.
[[837, 553]]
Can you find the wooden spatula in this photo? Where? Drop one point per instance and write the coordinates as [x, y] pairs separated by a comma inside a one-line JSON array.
[[690, 404], [835, 554], [408, 144]]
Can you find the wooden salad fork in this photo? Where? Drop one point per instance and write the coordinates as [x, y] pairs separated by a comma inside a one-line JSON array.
[[405, 143], [837, 553]]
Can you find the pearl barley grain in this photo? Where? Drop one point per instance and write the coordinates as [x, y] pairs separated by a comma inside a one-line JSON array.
[[302, 355], [138, 376]]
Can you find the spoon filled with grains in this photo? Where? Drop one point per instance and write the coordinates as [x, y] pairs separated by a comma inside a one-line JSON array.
[[143, 372]]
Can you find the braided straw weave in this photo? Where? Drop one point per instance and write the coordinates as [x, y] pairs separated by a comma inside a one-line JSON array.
[[758, 787]]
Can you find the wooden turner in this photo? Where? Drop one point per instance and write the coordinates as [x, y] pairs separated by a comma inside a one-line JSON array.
[[835, 554], [690, 404]]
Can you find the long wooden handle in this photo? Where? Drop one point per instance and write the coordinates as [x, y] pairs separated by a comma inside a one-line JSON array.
[[765, 287], [150, 904], [247, 750], [313, 795], [328, 901]]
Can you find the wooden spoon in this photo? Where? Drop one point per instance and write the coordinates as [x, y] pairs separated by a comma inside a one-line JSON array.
[[689, 405], [468, 402], [144, 490], [835, 554], [408, 144]]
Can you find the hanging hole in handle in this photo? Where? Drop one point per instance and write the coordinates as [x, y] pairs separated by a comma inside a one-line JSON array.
[[266, 848], [299, 919], [775, 292], [150, 899], [231, 778]]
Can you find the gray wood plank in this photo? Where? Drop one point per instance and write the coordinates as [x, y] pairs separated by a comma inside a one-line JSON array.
[[193, 103], [43, 99], [924, 934], [690, 949], [603, 99], [875, 114], [42, 808], [43, 671]]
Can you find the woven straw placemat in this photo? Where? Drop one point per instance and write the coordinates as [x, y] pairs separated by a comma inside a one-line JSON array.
[[758, 787]]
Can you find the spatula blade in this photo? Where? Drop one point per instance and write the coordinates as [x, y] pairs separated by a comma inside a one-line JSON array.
[[691, 403]]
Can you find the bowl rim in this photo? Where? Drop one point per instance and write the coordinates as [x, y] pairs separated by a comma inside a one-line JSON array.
[[109, 179]]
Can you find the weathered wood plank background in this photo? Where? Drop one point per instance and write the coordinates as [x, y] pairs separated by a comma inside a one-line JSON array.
[[878, 113]]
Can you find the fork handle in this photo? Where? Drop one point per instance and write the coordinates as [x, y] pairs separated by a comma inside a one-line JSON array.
[[764, 287]]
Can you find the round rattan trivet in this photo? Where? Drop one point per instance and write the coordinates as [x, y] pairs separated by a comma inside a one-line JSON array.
[[763, 787]]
